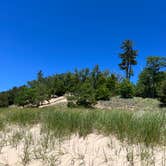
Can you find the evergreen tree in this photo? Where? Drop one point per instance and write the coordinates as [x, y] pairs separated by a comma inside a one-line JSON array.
[[128, 58], [40, 76], [113, 85], [95, 76], [151, 77]]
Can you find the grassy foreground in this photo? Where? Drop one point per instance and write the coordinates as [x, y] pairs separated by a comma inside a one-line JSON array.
[[134, 127]]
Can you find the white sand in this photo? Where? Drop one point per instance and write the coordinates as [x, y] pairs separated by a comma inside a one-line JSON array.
[[94, 150], [54, 101]]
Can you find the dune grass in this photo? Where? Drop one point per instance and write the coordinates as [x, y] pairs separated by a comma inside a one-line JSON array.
[[134, 127]]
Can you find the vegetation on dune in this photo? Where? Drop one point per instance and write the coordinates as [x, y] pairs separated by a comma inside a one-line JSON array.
[[126, 89], [162, 92], [131, 104], [134, 127], [85, 87], [151, 77], [4, 101]]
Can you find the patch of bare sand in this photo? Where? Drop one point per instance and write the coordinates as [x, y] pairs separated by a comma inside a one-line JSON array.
[[54, 101]]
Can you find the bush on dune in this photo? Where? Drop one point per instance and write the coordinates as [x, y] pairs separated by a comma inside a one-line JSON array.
[[126, 89], [162, 92]]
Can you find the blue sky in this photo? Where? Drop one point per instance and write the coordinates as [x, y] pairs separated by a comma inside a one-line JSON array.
[[58, 35]]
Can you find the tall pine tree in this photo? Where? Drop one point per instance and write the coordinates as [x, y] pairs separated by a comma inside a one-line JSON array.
[[128, 58]]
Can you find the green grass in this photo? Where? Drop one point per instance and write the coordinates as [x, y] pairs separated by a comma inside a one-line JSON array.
[[20, 116], [24, 117], [134, 127]]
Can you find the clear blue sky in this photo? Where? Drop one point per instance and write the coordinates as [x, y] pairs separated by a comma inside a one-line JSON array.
[[58, 35]]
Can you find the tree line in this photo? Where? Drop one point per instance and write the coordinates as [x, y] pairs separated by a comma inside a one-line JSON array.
[[85, 87]]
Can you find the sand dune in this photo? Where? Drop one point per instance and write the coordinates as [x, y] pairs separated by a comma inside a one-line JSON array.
[[37, 149]]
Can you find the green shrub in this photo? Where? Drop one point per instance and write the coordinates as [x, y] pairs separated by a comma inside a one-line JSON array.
[[126, 89], [4, 99], [71, 104], [85, 95], [102, 93], [162, 92], [23, 96]]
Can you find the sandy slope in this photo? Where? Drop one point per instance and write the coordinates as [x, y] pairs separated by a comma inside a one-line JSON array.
[[54, 101], [36, 149]]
